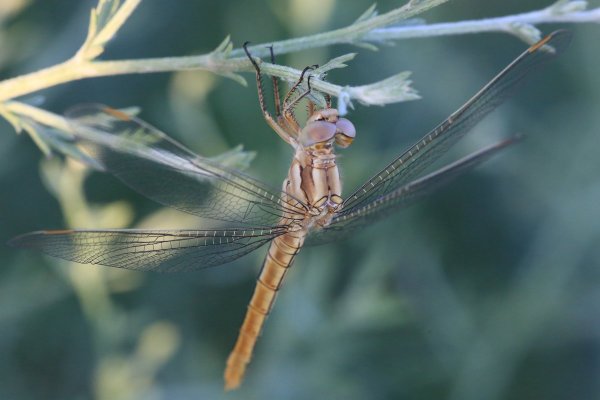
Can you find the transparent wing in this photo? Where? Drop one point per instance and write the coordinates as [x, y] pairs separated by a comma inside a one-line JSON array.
[[149, 250], [439, 140], [343, 225], [162, 169]]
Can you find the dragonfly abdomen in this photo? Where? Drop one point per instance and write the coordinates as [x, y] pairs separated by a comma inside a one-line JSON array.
[[281, 254]]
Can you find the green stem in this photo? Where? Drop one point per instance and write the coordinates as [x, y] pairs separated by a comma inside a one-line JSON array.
[[79, 68], [37, 114]]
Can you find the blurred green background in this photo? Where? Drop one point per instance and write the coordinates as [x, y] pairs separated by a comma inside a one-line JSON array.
[[488, 289]]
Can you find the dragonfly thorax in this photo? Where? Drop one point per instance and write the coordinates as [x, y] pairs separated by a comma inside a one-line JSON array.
[[314, 176], [314, 179]]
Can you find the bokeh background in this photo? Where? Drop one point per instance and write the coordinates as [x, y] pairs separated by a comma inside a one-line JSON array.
[[488, 289]]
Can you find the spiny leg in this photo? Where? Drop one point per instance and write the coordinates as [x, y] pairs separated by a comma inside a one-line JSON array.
[[259, 84], [288, 107], [281, 131], [311, 105], [275, 86], [310, 108], [297, 84], [327, 100]]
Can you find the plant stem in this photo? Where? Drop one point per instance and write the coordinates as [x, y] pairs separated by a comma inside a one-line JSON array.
[[350, 34], [370, 30], [73, 70], [79, 68], [499, 24], [37, 114]]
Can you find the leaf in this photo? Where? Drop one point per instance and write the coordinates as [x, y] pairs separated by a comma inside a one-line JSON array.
[[34, 130], [236, 77], [366, 45], [68, 148], [426, 3], [235, 158], [526, 32], [222, 52], [370, 21], [105, 20], [368, 14], [421, 6], [57, 141], [409, 22], [394, 89], [13, 119], [562, 7], [224, 49], [48, 139], [334, 63]]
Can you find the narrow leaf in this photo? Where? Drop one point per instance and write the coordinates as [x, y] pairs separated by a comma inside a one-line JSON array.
[[368, 14], [526, 32], [33, 130], [394, 89], [236, 77], [338, 62], [562, 7], [235, 158]]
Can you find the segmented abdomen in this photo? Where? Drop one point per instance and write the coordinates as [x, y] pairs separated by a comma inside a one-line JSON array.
[[280, 256]]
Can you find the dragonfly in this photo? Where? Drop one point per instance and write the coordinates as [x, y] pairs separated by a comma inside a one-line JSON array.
[[309, 208]]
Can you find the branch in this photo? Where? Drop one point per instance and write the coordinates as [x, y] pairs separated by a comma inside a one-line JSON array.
[[224, 60], [369, 29], [105, 21], [53, 131], [522, 25], [352, 34]]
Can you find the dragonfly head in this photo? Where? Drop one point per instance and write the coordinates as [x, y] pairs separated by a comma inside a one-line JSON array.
[[326, 126]]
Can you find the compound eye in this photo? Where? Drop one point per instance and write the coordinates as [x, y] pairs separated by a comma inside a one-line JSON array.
[[342, 140], [316, 132], [345, 127], [345, 132]]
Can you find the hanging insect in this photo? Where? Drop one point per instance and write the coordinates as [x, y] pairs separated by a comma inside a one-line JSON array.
[[310, 208]]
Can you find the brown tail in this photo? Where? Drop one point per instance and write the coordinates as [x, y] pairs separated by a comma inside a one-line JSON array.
[[279, 258]]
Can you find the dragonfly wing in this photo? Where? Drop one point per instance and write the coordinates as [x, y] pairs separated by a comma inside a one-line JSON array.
[[439, 140], [344, 224], [149, 250], [162, 169]]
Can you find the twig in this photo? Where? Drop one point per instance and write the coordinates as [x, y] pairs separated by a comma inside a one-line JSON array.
[[224, 60], [369, 29], [561, 12]]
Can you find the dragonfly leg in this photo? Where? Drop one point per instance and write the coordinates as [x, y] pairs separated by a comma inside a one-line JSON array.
[[272, 122], [327, 100], [297, 84], [288, 108], [311, 105], [275, 87]]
